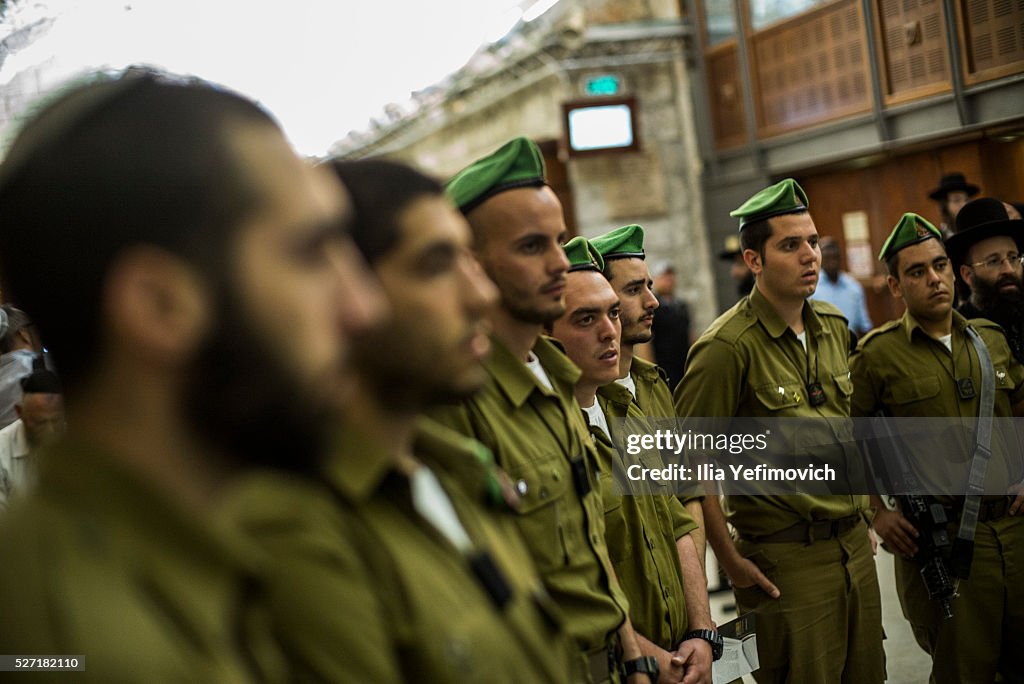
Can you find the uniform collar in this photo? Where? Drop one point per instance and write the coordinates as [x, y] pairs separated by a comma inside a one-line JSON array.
[[642, 368], [359, 464], [517, 382], [910, 324], [773, 322]]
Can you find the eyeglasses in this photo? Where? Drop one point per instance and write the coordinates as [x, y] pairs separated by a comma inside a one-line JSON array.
[[995, 262]]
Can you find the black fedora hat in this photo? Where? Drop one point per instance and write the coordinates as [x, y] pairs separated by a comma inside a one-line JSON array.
[[979, 220], [730, 248], [953, 182]]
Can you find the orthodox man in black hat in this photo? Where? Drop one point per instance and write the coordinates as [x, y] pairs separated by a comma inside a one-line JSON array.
[[803, 562], [952, 194], [986, 252], [928, 364]]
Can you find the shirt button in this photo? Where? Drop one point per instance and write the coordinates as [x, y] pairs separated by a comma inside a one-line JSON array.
[[522, 488], [543, 492]]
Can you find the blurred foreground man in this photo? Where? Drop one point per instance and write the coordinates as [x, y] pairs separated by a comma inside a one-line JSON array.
[[195, 283], [926, 365], [405, 564], [527, 414], [642, 528], [803, 562], [986, 254]]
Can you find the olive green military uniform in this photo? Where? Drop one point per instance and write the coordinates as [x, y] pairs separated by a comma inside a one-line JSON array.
[[655, 399], [367, 589], [99, 563], [902, 369], [539, 438], [641, 530], [827, 624]]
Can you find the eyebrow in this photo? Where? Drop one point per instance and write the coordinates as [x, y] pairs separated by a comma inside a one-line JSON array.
[[638, 281], [436, 248], [922, 264]]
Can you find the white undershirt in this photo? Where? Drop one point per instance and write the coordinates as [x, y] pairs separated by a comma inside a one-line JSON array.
[[533, 363], [628, 383], [948, 341], [803, 339], [432, 503], [597, 418]]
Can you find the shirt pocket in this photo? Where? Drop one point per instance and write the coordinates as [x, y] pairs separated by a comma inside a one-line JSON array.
[[545, 508], [910, 391], [780, 396]]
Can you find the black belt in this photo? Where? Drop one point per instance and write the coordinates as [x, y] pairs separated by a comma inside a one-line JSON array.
[[807, 532]]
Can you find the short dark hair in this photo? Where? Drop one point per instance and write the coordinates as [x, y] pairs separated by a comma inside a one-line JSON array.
[[892, 263], [756, 233], [138, 158], [380, 191]]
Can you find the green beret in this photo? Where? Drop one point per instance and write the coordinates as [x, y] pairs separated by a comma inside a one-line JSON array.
[[516, 164], [785, 197], [582, 255], [911, 230], [627, 241]]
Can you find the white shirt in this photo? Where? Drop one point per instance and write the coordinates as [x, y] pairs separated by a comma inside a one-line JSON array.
[[17, 473], [597, 418], [803, 339], [533, 363], [628, 383], [948, 341], [432, 503]]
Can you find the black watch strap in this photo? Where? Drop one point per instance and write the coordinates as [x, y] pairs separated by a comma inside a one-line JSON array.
[[710, 636], [647, 665]]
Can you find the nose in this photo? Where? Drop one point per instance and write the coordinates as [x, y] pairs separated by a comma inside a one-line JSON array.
[[609, 329], [811, 253], [479, 291], [1009, 266], [558, 262], [650, 301], [360, 302]]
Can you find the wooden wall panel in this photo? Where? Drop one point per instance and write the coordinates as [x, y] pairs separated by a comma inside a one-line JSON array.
[[993, 36], [811, 69], [725, 93], [914, 53]]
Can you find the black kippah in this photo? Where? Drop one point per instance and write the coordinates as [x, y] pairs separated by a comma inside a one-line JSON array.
[[41, 381]]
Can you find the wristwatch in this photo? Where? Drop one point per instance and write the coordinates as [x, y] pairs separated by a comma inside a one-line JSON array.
[[647, 665], [712, 637]]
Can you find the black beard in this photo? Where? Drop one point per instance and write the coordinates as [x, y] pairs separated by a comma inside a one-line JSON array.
[[241, 399], [1001, 307]]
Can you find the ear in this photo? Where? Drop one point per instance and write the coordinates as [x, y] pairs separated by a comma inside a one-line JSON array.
[[967, 274], [753, 261], [156, 306], [894, 287], [17, 409]]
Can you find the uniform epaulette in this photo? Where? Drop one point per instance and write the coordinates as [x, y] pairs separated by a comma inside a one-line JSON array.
[[884, 328], [823, 308], [663, 374], [556, 343], [731, 325], [984, 323]]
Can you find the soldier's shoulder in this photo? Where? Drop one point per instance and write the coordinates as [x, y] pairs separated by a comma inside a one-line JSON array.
[[733, 324], [827, 309], [880, 334]]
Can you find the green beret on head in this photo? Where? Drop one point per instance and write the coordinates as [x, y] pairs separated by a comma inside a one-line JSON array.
[[785, 197], [516, 164], [582, 255], [911, 230], [621, 243]]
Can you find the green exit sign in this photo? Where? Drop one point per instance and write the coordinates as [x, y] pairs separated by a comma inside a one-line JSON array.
[[605, 84]]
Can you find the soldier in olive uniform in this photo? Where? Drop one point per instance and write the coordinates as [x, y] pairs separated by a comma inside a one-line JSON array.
[[405, 565], [803, 562], [642, 529], [196, 287], [526, 413], [625, 266], [915, 367]]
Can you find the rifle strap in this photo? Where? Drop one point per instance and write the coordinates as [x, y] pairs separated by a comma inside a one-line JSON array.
[[963, 545]]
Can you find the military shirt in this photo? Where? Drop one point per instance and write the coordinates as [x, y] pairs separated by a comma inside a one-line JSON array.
[[655, 399], [366, 589], [618, 402], [98, 562], [641, 532], [900, 368], [539, 438], [750, 363]]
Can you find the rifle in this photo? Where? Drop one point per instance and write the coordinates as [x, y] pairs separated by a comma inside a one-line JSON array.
[[890, 465]]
